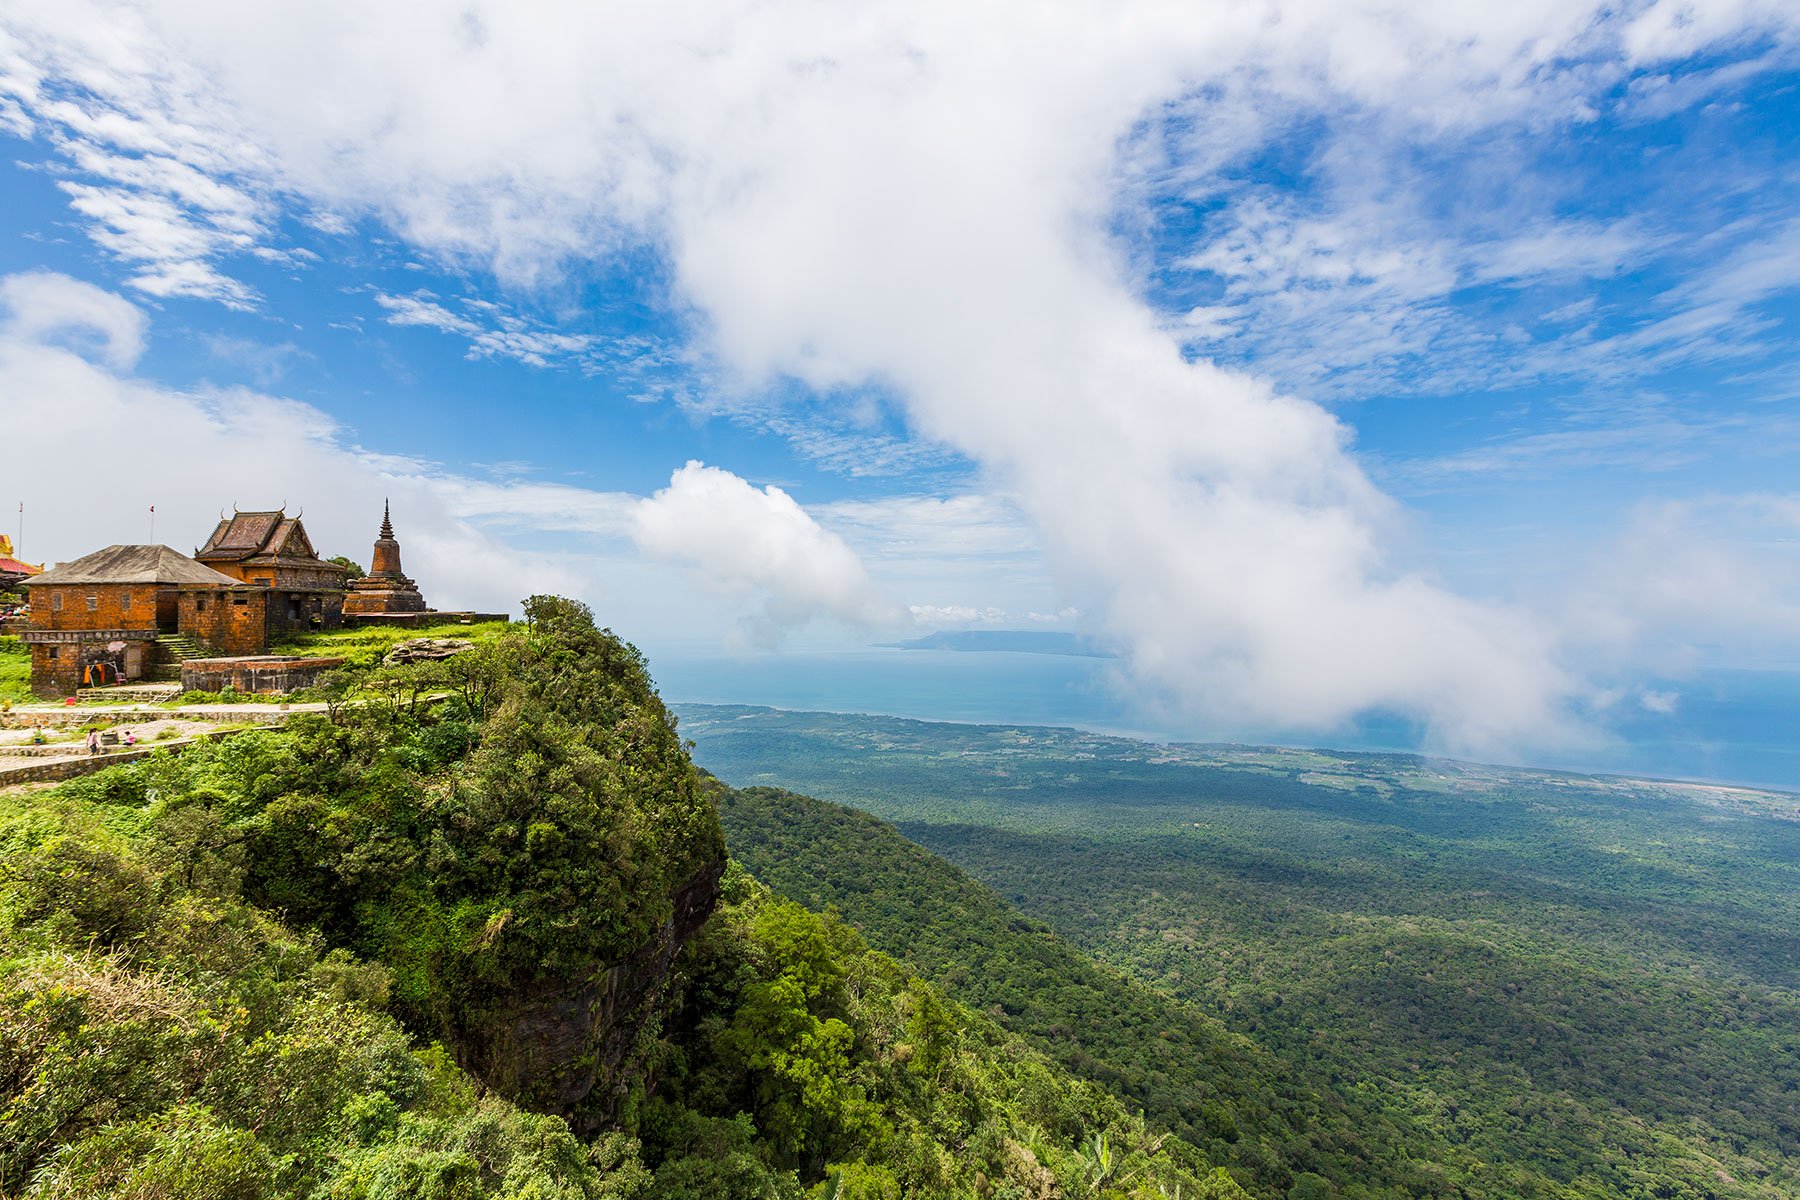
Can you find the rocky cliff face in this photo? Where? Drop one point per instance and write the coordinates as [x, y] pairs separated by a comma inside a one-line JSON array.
[[573, 1049]]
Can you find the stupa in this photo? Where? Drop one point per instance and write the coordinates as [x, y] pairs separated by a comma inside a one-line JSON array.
[[385, 589]]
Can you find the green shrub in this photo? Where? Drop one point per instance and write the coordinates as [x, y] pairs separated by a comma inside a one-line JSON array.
[[185, 1152]]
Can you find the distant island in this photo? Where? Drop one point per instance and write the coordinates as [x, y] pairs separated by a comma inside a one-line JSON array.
[[1017, 641]]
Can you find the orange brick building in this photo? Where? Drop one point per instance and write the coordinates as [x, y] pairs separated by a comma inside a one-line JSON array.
[[96, 620]]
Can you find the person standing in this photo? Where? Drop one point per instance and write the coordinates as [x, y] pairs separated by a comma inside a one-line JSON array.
[[93, 741]]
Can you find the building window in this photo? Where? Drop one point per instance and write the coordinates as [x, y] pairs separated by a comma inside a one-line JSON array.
[[93, 603], [53, 652], [124, 601], [240, 601], [55, 601], [199, 604]]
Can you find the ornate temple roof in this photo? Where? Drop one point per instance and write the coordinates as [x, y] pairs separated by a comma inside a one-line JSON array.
[[14, 566], [257, 535]]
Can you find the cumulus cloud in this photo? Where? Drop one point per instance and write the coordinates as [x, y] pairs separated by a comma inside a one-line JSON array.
[[911, 195], [759, 543]]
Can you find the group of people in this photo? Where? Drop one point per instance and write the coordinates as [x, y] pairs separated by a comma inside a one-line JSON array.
[[93, 741]]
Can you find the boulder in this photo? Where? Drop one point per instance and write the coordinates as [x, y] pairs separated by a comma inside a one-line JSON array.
[[426, 649]]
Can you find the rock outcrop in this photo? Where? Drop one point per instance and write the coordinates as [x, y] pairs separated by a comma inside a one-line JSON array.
[[573, 1048], [425, 649]]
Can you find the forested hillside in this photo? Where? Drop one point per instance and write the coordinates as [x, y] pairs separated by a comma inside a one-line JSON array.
[[1510, 983], [487, 946], [1218, 1089]]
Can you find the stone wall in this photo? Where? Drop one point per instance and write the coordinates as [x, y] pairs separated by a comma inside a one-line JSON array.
[[82, 714], [55, 670], [234, 621], [261, 673], [300, 611]]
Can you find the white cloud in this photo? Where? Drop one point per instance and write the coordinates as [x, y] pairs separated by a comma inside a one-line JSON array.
[[757, 543], [938, 616], [423, 310], [1713, 581], [42, 305], [492, 332], [919, 197]]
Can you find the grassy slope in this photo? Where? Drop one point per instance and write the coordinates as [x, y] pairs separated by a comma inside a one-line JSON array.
[[1559, 987], [363, 646], [15, 671]]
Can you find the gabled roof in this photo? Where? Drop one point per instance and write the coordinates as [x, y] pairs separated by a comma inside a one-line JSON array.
[[246, 535], [242, 535], [135, 564]]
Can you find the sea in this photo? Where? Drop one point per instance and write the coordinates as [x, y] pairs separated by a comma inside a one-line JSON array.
[[1734, 727]]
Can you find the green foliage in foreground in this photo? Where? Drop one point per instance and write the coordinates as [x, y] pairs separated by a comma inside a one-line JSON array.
[[528, 832], [1480, 982], [799, 1054], [250, 970], [160, 1039], [15, 671]]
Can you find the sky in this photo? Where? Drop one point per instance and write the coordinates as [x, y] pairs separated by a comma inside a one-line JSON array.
[[1325, 359]]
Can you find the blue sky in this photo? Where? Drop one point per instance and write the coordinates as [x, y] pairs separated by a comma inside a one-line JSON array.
[[1326, 359]]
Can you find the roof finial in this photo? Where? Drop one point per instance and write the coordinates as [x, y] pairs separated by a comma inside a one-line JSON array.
[[387, 526]]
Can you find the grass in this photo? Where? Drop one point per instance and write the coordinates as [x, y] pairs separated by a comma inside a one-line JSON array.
[[361, 647], [366, 645], [15, 671], [224, 696]]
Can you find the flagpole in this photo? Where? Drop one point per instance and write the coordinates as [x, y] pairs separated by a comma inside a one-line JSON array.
[[153, 524]]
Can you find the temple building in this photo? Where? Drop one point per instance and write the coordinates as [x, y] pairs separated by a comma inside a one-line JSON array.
[[103, 618], [13, 571], [146, 612], [385, 590], [271, 550]]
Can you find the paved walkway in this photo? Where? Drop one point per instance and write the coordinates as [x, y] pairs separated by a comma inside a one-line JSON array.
[[47, 716], [21, 769]]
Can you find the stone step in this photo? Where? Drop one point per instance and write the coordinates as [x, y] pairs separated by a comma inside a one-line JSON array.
[[146, 691], [180, 646]]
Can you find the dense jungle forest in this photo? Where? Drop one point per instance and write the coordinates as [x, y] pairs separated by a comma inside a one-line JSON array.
[[471, 932], [1445, 979]]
